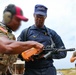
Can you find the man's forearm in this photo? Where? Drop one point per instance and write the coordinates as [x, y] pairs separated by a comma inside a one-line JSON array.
[[72, 59], [19, 47]]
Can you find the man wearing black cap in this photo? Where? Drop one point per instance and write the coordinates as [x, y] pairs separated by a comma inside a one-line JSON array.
[[48, 37], [12, 17]]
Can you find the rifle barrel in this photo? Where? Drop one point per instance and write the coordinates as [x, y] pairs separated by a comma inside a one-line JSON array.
[[71, 49], [59, 50], [51, 49]]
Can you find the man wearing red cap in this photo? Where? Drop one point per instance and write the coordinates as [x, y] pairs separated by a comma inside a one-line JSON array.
[[12, 17]]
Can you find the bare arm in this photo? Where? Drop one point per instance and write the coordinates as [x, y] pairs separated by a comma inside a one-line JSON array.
[[72, 59], [16, 47]]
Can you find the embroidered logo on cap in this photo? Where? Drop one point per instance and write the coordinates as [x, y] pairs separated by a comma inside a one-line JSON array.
[[41, 8]]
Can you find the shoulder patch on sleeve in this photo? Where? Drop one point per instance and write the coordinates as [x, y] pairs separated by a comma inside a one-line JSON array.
[[3, 30]]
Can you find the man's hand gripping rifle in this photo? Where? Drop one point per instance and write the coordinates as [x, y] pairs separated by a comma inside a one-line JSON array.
[[47, 52]]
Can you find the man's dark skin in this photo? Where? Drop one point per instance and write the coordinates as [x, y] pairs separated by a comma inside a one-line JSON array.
[[49, 38], [9, 48], [16, 47]]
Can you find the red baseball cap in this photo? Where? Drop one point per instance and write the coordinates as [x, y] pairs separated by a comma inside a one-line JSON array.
[[15, 10], [19, 14]]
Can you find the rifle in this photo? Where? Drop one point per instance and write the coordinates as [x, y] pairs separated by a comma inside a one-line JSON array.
[[34, 53], [55, 50]]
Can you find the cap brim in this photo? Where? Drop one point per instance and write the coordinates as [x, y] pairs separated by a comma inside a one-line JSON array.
[[40, 13], [22, 18]]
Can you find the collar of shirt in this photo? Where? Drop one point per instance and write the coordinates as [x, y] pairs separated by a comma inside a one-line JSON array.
[[9, 30], [36, 28]]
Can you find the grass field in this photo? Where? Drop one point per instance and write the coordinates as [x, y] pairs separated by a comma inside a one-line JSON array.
[[71, 71]]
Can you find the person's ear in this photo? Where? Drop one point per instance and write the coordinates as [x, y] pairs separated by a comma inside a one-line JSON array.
[[45, 17]]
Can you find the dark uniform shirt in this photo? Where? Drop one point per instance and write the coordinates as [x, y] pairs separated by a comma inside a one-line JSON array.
[[43, 35]]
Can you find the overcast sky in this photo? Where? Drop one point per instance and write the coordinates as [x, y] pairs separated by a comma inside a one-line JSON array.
[[61, 17]]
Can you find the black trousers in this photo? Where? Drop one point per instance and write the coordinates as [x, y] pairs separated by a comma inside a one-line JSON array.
[[44, 71]]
